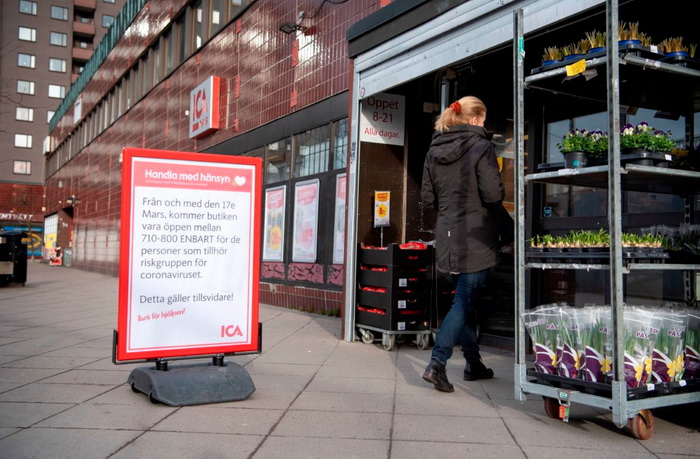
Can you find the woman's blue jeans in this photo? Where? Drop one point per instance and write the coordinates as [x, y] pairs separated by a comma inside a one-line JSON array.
[[460, 322]]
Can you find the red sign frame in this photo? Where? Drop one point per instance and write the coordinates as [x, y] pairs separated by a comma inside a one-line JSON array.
[[215, 305]]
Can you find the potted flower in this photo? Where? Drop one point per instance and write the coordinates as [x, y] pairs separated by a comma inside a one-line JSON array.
[[551, 55], [643, 139], [575, 146], [673, 47], [629, 34], [596, 41], [599, 146]]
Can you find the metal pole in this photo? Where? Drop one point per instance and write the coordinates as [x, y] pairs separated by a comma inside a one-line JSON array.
[[619, 393], [519, 131]]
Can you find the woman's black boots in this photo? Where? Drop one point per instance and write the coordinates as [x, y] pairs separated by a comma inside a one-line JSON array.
[[435, 374]]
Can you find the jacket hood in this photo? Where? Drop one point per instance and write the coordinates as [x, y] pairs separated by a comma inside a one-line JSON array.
[[449, 146]]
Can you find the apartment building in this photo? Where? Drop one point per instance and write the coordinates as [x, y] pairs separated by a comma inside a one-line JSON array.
[[44, 47]]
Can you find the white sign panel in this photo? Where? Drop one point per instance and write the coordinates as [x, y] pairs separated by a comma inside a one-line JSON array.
[[382, 119], [188, 261], [339, 221], [305, 221], [382, 208], [273, 240]]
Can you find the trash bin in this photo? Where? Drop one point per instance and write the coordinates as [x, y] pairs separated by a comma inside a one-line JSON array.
[[13, 257]]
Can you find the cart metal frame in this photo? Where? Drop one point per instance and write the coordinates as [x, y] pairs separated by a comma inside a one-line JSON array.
[[625, 406]]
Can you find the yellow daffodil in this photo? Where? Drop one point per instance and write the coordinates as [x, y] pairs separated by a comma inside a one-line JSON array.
[[647, 365], [675, 366], [638, 372], [606, 366]]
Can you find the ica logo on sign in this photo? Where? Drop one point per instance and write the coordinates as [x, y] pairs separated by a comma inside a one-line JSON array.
[[204, 108]]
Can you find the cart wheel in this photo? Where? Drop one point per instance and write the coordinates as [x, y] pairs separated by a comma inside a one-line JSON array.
[[642, 425], [422, 341], [367, 336], [551, 407], [389, 342]]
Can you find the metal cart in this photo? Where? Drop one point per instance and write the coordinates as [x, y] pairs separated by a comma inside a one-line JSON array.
[[630, 407]]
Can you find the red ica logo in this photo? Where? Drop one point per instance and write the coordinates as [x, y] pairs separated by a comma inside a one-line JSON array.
[[200, 104], [230, 331]]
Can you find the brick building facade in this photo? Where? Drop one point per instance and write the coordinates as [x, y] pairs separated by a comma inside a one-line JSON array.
[[278, 90]]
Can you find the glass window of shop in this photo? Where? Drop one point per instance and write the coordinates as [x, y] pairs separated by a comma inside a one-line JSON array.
[[311, 150], [278, 160]]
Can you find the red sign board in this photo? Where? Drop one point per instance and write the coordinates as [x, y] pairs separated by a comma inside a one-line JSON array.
[[189, 254]]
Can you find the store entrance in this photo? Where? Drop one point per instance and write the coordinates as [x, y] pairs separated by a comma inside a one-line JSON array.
[[399, 169]]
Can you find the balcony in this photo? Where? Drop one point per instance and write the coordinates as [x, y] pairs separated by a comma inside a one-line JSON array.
[[85, 5], [84, 28], [82, 54]]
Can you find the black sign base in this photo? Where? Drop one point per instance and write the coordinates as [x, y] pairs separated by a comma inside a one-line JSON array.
[[193, 384]]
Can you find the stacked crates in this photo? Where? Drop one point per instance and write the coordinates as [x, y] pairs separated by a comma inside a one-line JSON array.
[[394, 288]]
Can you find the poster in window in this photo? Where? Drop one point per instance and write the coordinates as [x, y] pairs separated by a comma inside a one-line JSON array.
[[339, 221], [273, 246], [305, 221]]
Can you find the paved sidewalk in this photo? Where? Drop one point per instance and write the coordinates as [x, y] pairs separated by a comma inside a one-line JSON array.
[[316, 396]]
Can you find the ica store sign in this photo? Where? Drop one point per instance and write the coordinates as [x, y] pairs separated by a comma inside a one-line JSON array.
[[204, 108]]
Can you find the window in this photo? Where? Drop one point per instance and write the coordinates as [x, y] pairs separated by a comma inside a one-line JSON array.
[[59, 12], [25, 87], [311, 152], [26, 7], [26, 60], [218, 12], [22, 167], [24, 114], [57, 65], [49, 115], [23, 141], [27, 34], [57, 91], [107, 20], [58, 39], [278, 160], [340, 143], [200, 25]]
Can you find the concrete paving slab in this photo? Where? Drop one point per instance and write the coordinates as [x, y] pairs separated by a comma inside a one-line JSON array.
[[351, 386], [59, 363], [572, 452], [27, 414], [53, 393], [109, 417], [339, 401], [433, 449], [220, 419], [446, 404], [325, 424], [453, 429], [323, 448], [166, 445], [64, 443], [26, 375], [79, 376], [596, 434], [266, 400]]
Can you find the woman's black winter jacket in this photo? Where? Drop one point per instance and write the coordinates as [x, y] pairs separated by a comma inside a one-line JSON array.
[[461, 181]]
